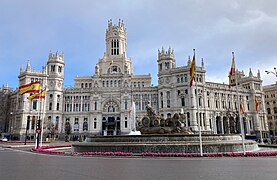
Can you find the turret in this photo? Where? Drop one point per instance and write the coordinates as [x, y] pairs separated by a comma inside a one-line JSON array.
[[54, 100], [189, 61], [116, 39], [166, 59], [115, 60], [250, 73], [55, 65], [28, 66], [55, 71]]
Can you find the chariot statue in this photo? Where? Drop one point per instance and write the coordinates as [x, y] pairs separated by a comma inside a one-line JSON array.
[[152, 123]]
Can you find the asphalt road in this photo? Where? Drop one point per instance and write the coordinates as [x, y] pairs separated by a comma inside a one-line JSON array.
[[17, 164]]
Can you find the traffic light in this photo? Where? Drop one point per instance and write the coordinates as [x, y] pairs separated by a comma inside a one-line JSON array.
[[38, 123]]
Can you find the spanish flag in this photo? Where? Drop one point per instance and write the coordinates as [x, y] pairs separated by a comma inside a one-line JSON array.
[[192, 69], [241, 107], [30, 88], [37, 96], [256, 104], [232, 70]]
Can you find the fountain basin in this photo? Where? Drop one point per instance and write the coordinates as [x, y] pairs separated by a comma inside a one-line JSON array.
[[164, 143]]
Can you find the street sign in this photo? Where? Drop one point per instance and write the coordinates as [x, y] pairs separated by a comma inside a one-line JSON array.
[[38, 130]]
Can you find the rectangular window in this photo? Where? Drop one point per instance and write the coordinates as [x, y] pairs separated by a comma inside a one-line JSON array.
[[76, 124], [126, 124], [50, 106], [94, 124], [28, 123], [34, 105], [58, 106], [200, 104], [125, 104], [85, 124], [168, 103], [183, 101], [33, 123]]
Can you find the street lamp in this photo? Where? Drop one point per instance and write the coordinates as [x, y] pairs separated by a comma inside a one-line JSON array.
[[275, 74], [11, 125], [272, 72]]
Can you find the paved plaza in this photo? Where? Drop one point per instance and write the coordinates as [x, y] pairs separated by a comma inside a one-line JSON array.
[[18, 163]]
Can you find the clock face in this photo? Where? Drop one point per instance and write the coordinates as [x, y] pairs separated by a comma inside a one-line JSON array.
[[114, 33]]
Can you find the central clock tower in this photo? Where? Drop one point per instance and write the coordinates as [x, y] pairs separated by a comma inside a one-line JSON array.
[[116, 39], [115, 60]]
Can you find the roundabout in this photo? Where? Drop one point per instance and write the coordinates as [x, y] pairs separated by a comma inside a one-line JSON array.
[[67, 150]]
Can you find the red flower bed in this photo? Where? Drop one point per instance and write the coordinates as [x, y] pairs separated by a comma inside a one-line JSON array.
[[218, 154], [45, 149], [104, 153]]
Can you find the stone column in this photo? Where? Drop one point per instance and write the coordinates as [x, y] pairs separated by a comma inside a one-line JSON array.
[[222, 127], [193, 120], [214, 123]]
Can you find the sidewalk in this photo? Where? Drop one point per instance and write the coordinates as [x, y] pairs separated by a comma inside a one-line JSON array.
[[21, 144]]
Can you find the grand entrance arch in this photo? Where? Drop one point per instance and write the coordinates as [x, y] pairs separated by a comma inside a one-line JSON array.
[[111, 119]]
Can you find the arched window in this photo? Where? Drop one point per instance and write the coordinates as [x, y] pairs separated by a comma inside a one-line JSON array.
[[57, 122], [95, 123], [85, 124], [188, 118], [76, 124], [268, 111]]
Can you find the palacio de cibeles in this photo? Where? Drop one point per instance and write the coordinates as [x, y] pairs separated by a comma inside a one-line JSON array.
[[103, 103]]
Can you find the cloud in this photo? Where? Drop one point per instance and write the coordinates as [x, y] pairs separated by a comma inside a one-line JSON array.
[[214, 28]]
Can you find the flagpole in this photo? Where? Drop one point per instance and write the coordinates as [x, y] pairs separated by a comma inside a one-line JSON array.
[[39, 121], [197, 109], [37, 126], [198, 120], [238, 103], [42, 122], [262, 141]]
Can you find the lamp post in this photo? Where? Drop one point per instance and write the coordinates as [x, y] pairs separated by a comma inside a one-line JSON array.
[[272, 72], [275, 74], [11, 125]]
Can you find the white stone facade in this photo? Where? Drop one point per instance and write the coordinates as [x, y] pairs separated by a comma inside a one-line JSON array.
[[100, 104], [271, 107]]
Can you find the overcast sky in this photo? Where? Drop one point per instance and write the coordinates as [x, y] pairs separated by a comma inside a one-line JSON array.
[[215, 28]]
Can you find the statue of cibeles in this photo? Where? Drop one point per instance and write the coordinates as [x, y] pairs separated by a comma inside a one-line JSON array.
[[152, 123]]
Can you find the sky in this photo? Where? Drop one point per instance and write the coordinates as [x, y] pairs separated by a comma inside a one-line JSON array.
[[30, 29]]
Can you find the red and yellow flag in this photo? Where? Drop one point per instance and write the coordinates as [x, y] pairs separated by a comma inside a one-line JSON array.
[[33, 87], [256, 104], [37, 96], [241, 107], [192, 69], [232, 70]]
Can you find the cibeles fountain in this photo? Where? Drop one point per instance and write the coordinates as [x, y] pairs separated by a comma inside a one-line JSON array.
[[153, 133]]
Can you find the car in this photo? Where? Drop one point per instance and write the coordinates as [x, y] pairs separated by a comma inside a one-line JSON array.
[[4, 139]]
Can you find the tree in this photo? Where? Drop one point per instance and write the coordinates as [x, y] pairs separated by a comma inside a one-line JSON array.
[[67, 130]]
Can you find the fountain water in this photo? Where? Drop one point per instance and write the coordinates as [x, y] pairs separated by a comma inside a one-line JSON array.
[[133, 122]]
